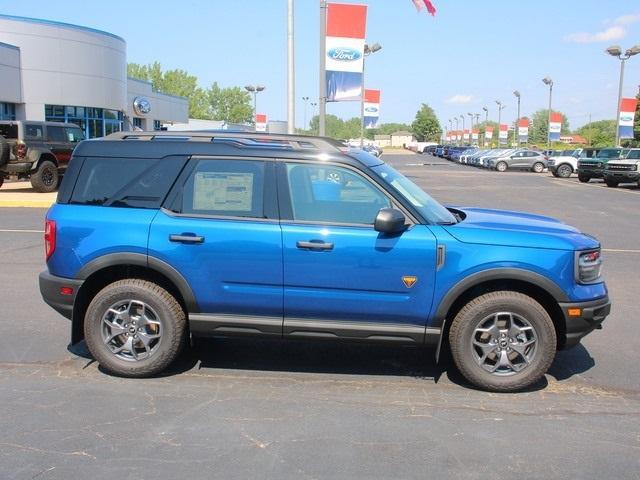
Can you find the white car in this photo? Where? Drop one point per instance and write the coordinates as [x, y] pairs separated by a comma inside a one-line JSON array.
[[562, 163]]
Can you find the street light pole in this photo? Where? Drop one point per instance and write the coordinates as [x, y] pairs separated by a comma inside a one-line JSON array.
[[477, 115], [457, 128], [462, 117], [500, 108], [450, 128], [486, 124], [291, 83], [549, 81], [322, 97], [517, 127], [254, 89], [616, 51], [470, 128], [368, 50], [305, 100]]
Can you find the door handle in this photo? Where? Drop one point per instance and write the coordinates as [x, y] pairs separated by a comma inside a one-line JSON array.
[[314, 245], [186, 238]]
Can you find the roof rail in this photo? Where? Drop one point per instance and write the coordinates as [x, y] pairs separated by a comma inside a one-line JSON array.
[[245, 139]]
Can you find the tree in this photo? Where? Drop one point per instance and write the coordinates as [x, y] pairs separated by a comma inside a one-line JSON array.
[[426, 126], [599, 134], [173, 82], [231, 104], [539, 129]]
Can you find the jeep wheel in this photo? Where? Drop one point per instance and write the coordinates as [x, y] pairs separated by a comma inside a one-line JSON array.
[[4, 151], [538, 167], [134, 328], [583, 178], [564, 171], [45, 179], [501, 166], [1, 180], [611, 183], [503, 341]]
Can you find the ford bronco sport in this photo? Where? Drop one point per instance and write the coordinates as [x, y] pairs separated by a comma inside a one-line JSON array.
[[158, 236], [626, 170], [39, 151]]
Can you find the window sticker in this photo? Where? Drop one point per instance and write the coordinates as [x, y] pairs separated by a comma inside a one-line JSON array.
[[223, 191]]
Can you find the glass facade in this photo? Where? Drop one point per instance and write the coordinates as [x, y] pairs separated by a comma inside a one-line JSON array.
[[95, 122], [7, 111]]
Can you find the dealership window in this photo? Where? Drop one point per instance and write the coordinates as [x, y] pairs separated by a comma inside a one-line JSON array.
[[137, 123], [157, 125], [94, 122], [7, 111]]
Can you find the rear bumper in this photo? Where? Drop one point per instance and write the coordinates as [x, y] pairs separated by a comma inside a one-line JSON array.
[[592, 315], [50, 287]]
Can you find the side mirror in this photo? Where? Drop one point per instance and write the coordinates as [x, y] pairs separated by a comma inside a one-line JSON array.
[[389, 220]]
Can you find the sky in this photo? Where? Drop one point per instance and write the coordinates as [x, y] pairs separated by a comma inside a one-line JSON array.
[[469, 55]]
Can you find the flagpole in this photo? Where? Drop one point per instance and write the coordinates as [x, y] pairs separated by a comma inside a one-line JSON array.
[[291, 99], [322, 95]]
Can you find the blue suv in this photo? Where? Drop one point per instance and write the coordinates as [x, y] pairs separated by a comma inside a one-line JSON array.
[[156, 237]]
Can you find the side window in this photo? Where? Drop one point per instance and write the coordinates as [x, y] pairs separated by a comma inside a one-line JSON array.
[[634, 154], [232, 188], [327, 193], [34, 131], [74, 135], [56, 134], [126, 182]]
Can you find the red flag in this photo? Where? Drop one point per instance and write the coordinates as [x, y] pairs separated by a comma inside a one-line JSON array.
[[418, 4], [430, 8]]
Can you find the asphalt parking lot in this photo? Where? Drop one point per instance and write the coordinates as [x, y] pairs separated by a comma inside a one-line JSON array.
[[257, 409]]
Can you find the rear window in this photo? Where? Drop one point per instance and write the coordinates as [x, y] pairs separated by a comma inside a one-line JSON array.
[[126, 182], [9, 130]]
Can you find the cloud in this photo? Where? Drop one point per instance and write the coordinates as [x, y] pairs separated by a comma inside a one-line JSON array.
[[616, 32], [627, 19], [460, 99]]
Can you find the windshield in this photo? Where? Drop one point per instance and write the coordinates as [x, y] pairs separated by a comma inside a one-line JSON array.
[[566, 153], [610, 153], [429, 208]]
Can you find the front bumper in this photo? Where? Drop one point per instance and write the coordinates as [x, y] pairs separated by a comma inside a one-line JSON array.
[[50, 289], [622, 176], [592, 314], [590, 172]]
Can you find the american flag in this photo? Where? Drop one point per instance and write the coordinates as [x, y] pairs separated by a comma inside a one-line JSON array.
[[424, 3]]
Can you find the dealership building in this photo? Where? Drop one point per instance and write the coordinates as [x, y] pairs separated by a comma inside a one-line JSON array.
[[62, 72]]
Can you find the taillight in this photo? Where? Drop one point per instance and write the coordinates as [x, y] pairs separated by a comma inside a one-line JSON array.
[[21, 150], [49, 238]]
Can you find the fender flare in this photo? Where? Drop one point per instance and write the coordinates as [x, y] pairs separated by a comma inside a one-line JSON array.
[[483, 276], [143, 260], [37, 155]]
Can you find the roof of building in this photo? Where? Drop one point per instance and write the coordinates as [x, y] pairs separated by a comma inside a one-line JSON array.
[[402, 133], [53, 23]]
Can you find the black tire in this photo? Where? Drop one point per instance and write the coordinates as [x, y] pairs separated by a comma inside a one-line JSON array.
[[170, 316], [485, 306], [611, 183], [538, 167], [4, 151], [502, 166], [1, 179], [583, 178], [564, 171], [45, 178]]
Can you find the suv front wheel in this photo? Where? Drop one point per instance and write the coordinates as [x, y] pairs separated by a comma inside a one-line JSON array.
[[134, 328], [45, 178], [503, 341]]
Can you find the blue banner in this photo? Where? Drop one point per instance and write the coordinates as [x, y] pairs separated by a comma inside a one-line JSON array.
[[343, 86]]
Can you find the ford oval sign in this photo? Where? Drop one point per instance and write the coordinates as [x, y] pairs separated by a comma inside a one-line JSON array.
[[626, 118], [344, 54], [371, 109], [141, 106]]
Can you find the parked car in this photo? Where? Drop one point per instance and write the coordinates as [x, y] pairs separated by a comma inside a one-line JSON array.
[[439, 151], [465, 151], [373, 150], [563, 163], [522, 159], [626, 170], [38, 151], [242, 234], [594, 167]]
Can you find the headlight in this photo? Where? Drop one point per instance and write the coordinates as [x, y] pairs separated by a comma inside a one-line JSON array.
[[588, 266]]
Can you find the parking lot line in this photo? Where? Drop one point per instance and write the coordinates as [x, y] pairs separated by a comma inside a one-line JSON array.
[[591, 185], [619, 250], [3, 230]]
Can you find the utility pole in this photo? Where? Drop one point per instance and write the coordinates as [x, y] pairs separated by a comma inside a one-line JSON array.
[[322, 98], [291, 96]]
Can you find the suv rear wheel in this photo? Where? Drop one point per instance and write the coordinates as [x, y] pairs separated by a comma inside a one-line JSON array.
[[538, 167], [503, 341], [134, 328], [45, 178]]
